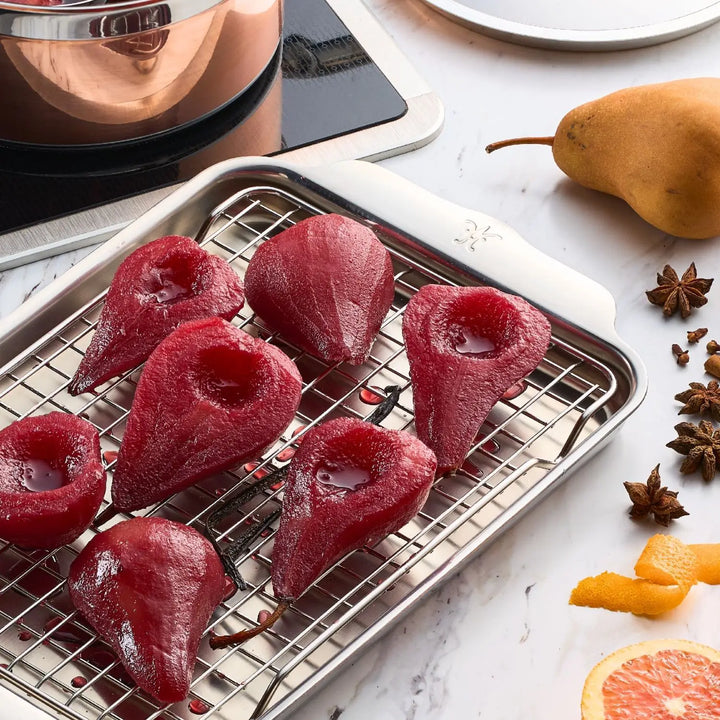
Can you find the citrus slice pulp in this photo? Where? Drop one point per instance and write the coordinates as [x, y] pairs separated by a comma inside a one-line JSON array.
[[655, 680]]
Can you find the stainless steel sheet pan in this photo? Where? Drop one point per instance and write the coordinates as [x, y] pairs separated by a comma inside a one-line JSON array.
[[586, 386]]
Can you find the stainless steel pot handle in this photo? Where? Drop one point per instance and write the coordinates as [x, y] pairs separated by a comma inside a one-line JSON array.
[[87, 22], [473, 241]]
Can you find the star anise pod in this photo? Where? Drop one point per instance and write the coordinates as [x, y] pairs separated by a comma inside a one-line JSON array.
[[684, 293], [700, 399], [701, 444], [651, 498]]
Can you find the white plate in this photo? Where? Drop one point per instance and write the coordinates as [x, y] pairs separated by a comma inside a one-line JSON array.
[[582, 24]]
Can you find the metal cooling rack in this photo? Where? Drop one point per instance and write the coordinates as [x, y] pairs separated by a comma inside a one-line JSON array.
[[50, 653]]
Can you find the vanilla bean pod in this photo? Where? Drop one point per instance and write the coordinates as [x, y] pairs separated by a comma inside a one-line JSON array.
[[229, 554], [386, 406]]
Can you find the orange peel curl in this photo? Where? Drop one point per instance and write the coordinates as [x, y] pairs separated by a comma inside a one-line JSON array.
[[666, 570]]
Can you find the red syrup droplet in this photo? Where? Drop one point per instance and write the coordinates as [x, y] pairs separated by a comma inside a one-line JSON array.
[[490, 446], [469, 468], [251, 466], [100, 657], [514, 390], [78, 681], [370, 397], [345, 477], [198, 707], [263, 616], [64, 634], [4, 666], [297, 431], [51, 623], [220, 491], [285, 454], [230, 588], [39, 476], [110, 456], [52, 564], [24, 636]]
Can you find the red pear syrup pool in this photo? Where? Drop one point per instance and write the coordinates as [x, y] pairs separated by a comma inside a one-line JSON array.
[[470, 343], [345, 477], [39, 476], [171, 289]]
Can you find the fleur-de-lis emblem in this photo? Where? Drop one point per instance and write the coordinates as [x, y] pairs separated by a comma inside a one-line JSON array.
[[474, 234]]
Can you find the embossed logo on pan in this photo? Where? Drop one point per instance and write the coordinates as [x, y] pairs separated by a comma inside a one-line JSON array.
[[472, 234]]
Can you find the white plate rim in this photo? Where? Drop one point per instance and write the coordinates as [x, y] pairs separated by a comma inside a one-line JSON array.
[[577, 39]]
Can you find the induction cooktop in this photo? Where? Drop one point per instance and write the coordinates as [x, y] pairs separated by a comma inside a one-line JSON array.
[[337, 88]]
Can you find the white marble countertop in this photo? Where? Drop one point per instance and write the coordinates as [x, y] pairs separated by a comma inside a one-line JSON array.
[[500, 641]]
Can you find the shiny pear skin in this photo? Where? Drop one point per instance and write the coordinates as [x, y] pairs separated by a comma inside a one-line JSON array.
[[655, 146]]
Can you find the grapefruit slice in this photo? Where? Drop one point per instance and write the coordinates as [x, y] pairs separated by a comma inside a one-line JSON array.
[[655, 680]]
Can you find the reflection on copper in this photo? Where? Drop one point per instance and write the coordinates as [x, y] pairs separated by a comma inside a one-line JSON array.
[[117, 88], [129, 23], [259, 134]]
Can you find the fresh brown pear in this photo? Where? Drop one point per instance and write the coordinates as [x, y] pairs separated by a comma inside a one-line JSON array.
[[655, 146]]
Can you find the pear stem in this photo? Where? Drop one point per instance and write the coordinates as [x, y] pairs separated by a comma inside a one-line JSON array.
[[492, 147], [218, 642]]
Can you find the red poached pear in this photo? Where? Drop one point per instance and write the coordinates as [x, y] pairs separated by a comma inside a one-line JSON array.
[[325, 285], [149, 586], [466, 346], [52, 480], [350, 484], [156, 288], [210, 398]]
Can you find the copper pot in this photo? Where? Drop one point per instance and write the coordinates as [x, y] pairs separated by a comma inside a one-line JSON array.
[[85, 74]]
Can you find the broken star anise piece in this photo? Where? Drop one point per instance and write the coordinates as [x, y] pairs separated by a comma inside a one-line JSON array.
[[701, 444], [700, 399], [651, 498], [683, 293]]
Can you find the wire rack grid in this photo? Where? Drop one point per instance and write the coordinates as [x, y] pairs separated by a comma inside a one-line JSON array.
[[48, 651]]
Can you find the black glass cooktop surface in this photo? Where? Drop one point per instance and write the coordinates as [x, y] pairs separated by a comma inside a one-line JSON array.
[[321, 84]]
